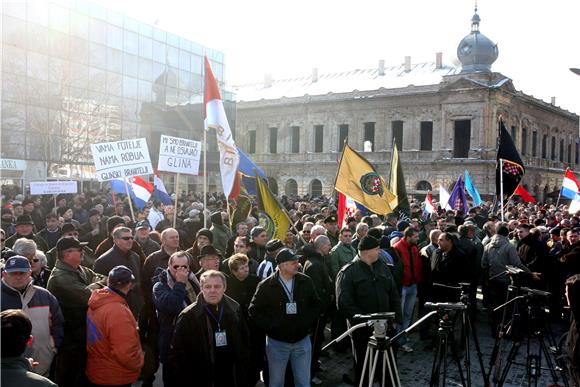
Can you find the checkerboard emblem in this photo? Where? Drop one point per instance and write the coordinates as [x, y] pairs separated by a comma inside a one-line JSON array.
[[371, 184]]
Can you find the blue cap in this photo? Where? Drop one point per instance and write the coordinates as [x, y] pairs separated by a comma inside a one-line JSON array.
[[120, 275], [17, 264]]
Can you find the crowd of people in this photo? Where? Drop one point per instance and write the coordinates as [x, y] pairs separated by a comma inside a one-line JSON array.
[[93, 297]]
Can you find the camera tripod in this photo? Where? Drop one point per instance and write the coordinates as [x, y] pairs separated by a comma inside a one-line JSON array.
[[379, 348], [468, 331], [533, 309]]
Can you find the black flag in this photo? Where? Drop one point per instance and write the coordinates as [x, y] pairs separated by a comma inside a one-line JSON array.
[[513, 167]]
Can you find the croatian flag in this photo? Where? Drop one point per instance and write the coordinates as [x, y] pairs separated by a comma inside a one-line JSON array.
[[215, 118], [140, 191], [570, 187], [429, 207], [159, 191], [346, 208]]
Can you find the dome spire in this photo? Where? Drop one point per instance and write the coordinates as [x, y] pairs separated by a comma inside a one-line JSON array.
[[475, 20], [476, 52]]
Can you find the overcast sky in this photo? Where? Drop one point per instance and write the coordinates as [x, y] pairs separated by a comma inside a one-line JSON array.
[[538, 41]]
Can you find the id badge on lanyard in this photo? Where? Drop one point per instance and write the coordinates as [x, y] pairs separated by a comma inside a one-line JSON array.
[[221, 339], [291, 306]]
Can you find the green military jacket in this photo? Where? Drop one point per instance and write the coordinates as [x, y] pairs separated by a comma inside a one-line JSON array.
[[340, 255]]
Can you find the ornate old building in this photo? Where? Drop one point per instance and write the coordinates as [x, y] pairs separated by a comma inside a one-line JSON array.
[[443, 119]]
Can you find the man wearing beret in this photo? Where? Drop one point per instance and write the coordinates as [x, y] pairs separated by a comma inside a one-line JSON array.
[[366, 286], [286, 307], [71, 284], [24, 229], [331, 225]]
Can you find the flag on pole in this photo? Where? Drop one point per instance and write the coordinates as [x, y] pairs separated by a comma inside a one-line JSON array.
[[118, 186], [358, 179], [471, 190], [570, 186], [248, 169], [159, 191], [513, 168], [140, 191], [277, 222], [458, 200], [444, 198], [401, 204], [574, 206], [428, 207], [525, 195], [215, 118]]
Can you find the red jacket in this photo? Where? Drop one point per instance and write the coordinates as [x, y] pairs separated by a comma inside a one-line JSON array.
[[113, 347], [409, 254]]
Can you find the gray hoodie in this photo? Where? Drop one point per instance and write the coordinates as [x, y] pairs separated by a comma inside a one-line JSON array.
[[498, 253]]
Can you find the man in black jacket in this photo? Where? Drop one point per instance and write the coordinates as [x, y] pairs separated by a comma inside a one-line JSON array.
[[286, 306], [365, 286]]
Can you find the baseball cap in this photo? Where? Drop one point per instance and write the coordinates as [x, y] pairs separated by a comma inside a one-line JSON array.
[[143, 224], [17, 264], [66, 243], [286, 255], [120, 275]]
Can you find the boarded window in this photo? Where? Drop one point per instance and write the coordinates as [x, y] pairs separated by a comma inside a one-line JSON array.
[[545, 146], [295, 139], [553, 152], [562, 151], [369, 137], [273, 140], [342, 135], [426, 135], [318, 138], [461, 139], [397, 127], [252, 141], [534, 144], [524, 141]]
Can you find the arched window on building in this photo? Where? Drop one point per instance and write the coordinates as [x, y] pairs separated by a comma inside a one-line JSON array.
[[273, 184], [315, 188], [423, 185], [291, 187]]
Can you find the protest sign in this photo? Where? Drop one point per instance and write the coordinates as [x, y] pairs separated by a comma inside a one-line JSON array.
[[52, 187], [12, 165], [119, 159], [179, 155]]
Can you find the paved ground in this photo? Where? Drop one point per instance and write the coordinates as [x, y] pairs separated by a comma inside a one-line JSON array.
[[415, 367]]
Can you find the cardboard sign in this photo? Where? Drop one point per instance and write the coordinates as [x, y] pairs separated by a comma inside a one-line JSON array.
[[120, 159], [179, 155], [12, 165], [52, 187]]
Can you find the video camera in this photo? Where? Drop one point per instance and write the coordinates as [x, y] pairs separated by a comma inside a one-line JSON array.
[[446, 306]]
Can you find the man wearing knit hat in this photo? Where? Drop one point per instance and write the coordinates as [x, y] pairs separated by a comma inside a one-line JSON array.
[[366, 286]]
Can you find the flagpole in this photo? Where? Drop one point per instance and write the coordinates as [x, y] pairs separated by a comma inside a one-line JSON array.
[[176, 198], [204, 177], [501, 188], [558, 201], [130, 202]]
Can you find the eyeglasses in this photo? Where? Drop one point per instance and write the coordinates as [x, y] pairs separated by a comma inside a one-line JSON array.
[[126, 238], [305, 232], [35, 260], [176, 267]]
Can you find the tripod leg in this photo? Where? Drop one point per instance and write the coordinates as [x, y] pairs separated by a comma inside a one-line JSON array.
[[435, 370], [393, 370], [549, 362], [385, 370], [465, 337], [444, 359], [455, 355], [512, 355], [374, 367], [473, 331], [364, 367]]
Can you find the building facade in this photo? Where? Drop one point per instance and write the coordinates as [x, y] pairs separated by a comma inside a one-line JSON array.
[[74, 73], [444, 120]]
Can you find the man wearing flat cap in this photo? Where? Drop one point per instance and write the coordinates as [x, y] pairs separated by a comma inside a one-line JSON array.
[[114, 355], [286, 307], [25, 229], [366, 286], [209, 259], [71, 284]]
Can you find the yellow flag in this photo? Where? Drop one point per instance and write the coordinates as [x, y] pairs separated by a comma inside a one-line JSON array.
[[277, 220], [358, 179]]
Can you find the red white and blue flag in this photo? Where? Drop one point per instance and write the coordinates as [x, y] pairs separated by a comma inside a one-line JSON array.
[[159, 192], [570, 186], [139, 189], [429, 208], [215, 118]]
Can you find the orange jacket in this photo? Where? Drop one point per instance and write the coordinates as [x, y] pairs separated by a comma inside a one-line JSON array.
[[113, 347]]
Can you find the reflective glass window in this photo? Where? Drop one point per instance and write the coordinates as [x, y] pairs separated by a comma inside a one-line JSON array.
[[130, 65], [37, 66], [79, 50], [130, 87], [146, 29], [114, 37], [37, 92], [184, 44], [159, 51], [185, 81], [184, 60], [114, 84], [131, 24], [13, 59], [173, 56], [37, 37], [37, 12], [98, 31], [114, 60], [172, 40], [145, 69], [59, 44], [159, 35], [58, 69], [79, 75], [131, 42], [79, 25], [59, 18], [145, 91], [98, 56], [145, 47]]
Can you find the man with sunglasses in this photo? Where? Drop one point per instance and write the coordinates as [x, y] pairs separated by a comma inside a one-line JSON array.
[[177, 288], [121, 254], [70, 230], [19, 292]]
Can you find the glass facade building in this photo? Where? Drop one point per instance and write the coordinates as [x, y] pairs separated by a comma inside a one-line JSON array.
[[74, 73]]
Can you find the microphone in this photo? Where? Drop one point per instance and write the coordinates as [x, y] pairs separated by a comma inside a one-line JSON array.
[[446, 305]]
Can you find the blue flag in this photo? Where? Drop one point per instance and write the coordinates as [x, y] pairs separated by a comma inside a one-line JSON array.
[[458, 200], [248, 170], [471, 190]]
